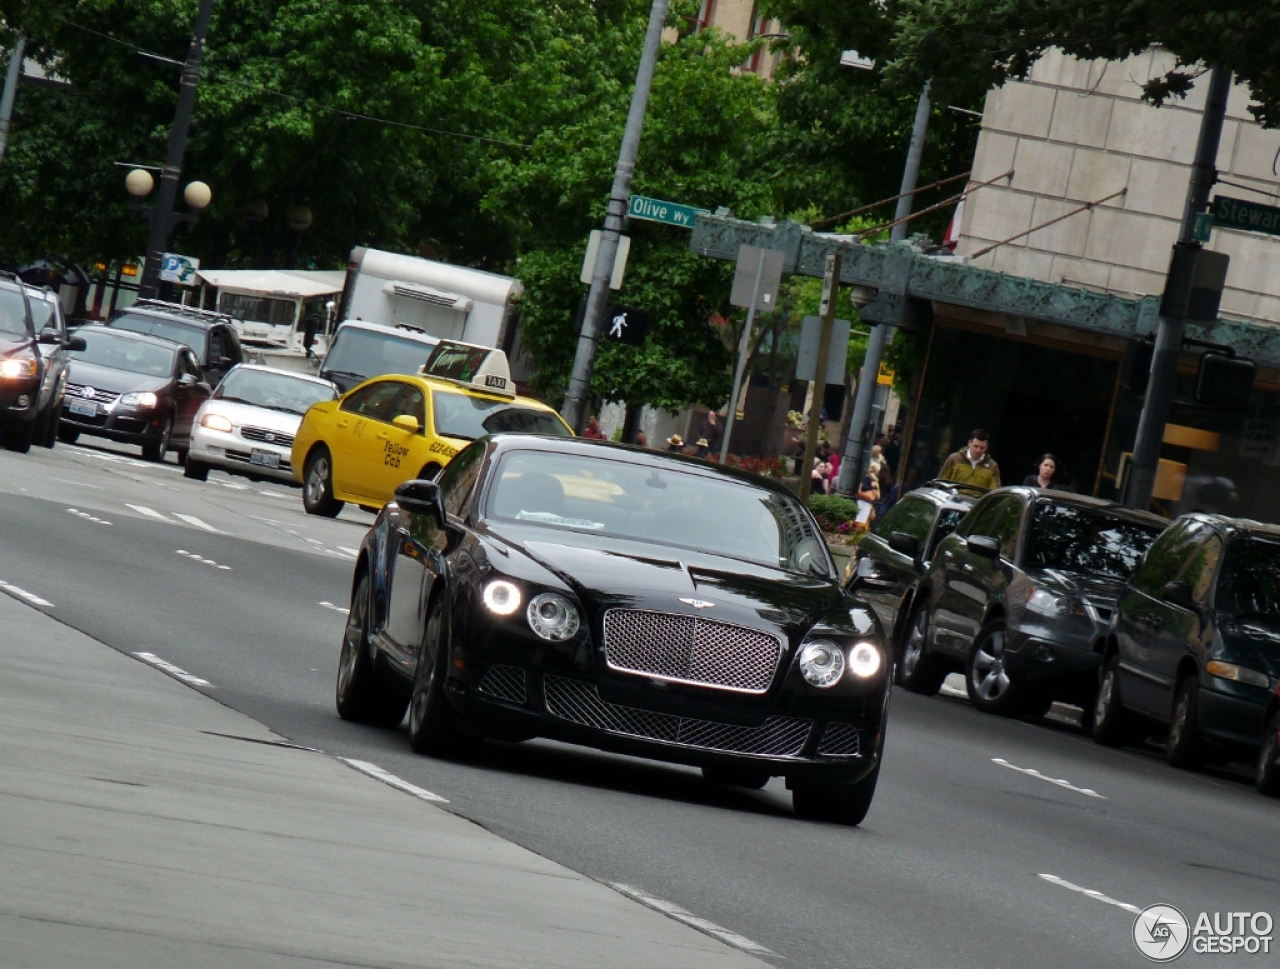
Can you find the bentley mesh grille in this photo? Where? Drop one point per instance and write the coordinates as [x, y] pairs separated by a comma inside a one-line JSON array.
[[690, 649], [505, 683], [839, 740], [581, 703]]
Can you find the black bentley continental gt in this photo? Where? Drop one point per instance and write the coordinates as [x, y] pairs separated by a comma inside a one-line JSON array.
[[627, 600]]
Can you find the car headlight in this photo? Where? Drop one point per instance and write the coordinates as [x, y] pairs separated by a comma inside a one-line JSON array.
[[1240, 674], [1047, 603], [15, 367], [821, 663], [864, 660], [502, 597], [216, 422], [553, 617], [144, 399]]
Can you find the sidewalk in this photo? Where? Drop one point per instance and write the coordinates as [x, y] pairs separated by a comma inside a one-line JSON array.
[[130, 836]]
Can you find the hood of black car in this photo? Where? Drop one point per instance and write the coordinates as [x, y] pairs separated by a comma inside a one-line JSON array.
[[1095, 588], [1253, 642], [114, 381]]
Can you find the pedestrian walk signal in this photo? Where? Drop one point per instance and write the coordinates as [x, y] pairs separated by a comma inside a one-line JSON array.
[[626, 324]]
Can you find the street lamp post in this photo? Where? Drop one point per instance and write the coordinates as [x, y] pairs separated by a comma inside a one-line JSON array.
[[162, 215]]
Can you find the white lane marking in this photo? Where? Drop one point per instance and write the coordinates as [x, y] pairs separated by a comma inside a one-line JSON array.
[[1032, 772], [149, 512], [672, 910], [78, 484], [354, 553], [330, 605], [31, 597], [202, 560], [1092, 893], [377, 773], [177, 672], [271, 494], [233, 486], [193, 520], [87, 517]]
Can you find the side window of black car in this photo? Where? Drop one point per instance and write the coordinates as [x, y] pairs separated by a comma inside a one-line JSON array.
[[187, 364], [985, 518], [458, 479], [1166, 557], [1001, 521], [1199, 571]]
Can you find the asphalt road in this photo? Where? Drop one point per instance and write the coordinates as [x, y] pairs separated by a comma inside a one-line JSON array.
[[966, 858]]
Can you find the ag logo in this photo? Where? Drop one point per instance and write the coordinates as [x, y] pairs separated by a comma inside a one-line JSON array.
[[1161, 933]]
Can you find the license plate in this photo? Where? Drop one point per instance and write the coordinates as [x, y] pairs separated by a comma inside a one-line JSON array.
[[266, 459], [85, 408]]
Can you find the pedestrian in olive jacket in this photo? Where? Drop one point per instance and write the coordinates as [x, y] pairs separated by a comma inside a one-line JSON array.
[[973, 465]]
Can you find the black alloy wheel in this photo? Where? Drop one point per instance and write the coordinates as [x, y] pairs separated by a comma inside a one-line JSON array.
[[361, 695], [195, 470], [1268, 775], [68, 434], [745, 777], [918, 670], [837, 806], [157, 449], [990, 687], [433, 725], [18, 437], [1186, 746], [317, 485]]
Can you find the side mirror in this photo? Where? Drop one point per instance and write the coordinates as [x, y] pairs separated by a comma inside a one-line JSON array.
[[420, 497], [905, 544], [76, 344], [1179, 594], [984, 545], [406, 422], [187, 380], [223, 363], [49, 336]]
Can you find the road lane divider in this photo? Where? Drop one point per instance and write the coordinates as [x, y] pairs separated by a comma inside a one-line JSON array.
[[177, 672], [330, 605], [706, 926], [193, 520], [1093, 893], [377, 773], [202, 560], [88, 517], [1032, 772], [149, 513], [30, 597]]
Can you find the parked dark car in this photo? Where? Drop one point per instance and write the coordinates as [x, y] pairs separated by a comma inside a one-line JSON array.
[[33, 363], [1268, 773], [1195, 644], [137, 389], [1019, 598], [894, 553], [211, 336], [622, 599]]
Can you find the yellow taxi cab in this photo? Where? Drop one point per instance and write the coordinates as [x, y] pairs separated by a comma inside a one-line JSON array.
[[393, 428]]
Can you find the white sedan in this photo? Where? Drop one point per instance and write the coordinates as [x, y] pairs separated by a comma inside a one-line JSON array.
[[248, 425]]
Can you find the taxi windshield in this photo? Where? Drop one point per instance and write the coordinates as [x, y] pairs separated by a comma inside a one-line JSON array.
[[105, 349], [468, 418], [661, 506], [276, 391]]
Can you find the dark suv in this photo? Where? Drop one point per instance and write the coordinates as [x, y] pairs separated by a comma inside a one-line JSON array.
[[1020, 598], [1196, 641], [894, 553], [211, 336]]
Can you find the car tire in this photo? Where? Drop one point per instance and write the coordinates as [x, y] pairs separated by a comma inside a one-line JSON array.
[[317, 485], [195, 470], [45, 432], [18, 437], [360, 695], [988, 684], [837, 806], [917, 670], [1268, 773], [1186, 746], [745, 777], [68, 435], [181, 456], [157, 449], [433, 724], [1035, 703]]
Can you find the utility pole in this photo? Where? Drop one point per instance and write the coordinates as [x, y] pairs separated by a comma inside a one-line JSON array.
[[851, 465], [575, 402], [162, 219], [830, 289], [11, 79], [1164, 358]]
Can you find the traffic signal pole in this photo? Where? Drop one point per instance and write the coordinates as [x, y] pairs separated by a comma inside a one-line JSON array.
[[575, 402], [1164, 360]]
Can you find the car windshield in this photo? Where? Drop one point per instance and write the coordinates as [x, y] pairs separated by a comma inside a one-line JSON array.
[[13, 313], [1086, 540], [278, 391], [106, 349], [1250, 582], [192, 336], [367, 353], [621, 499], [468, 418]]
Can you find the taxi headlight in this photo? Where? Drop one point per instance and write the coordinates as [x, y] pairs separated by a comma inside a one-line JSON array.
[[15, 367], [864, 660], [553, 617], [821, 664], [216, 422], [502, 597], [144, 399]]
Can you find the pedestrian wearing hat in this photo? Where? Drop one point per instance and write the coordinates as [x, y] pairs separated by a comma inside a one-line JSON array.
[[675, 444], [704, 448]]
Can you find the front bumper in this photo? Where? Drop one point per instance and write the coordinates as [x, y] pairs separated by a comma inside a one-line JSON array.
[[13, 393], [1040, 651], [130, 425], [1233, 717], [234, 453]]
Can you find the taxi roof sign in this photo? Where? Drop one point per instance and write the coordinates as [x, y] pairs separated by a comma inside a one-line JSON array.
[[481, 368]]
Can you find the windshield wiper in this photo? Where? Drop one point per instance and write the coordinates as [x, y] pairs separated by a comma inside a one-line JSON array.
[[347, 373]]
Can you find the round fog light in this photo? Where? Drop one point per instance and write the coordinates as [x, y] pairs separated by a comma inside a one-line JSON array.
[[864, 660], [821, 664], [553, 617], [502, 597]]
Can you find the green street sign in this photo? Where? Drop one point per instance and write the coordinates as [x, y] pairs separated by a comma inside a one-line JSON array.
[[1203, 228], [1229, 213], [656, 210]]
